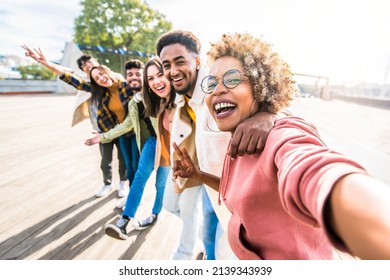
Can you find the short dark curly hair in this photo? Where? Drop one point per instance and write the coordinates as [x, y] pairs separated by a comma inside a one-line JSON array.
[[272, 80], [134, 63], [185, 38]]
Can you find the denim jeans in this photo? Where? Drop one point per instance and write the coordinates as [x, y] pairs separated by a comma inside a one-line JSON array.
[[186, 205], [145, 169], [130, 154], [209, 227]]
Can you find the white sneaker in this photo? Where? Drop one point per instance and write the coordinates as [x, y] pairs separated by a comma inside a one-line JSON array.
[[145, 223], [123, 189], [121, 203], [103, 191]]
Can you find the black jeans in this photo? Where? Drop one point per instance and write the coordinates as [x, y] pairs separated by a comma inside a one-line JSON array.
[[106, 151]]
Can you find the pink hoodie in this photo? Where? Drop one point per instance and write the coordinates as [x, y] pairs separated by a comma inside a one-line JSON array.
[[277, 197]]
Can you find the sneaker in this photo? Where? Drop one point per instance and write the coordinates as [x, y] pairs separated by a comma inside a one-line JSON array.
[[117, 230], [103, 191], [123, 190], [145, 223], [121, 204]]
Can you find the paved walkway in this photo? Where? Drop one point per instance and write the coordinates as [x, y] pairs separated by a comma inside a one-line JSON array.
[[48, 178]]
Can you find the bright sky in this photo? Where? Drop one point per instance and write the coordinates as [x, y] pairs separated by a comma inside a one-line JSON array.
[[346, 40]]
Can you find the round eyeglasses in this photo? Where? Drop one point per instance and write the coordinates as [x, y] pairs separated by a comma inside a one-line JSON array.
[[230, 79]]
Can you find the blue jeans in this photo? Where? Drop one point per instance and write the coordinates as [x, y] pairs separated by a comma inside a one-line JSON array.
[[209, 228], [186, 206], [130, 153], [145, 169]]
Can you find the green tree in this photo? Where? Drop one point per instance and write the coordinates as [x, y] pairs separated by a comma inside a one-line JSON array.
[[112, 24], [36, 72]]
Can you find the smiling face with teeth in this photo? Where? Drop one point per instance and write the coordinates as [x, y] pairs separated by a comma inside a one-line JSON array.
[[101, 77], [229, 107], [180, 67], [157, 82], [134, 78]]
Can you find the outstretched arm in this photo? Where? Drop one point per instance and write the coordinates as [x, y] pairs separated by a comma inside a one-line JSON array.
[[39, 57], [184, 167], [359, 214], [65, 74], [112, 134], [251, 134], [94, 140], [120, 129]]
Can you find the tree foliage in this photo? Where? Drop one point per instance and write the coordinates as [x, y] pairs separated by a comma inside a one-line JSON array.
[[128, 24], [36, 72]]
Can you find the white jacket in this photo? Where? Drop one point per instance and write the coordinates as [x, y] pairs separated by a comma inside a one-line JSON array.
[[211, 144]]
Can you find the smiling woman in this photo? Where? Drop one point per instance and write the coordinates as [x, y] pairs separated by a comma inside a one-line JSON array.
[[319, 196], [229, 112], [102, 76]]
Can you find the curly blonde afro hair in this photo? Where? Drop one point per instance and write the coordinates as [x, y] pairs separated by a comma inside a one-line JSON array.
[[271, 78]]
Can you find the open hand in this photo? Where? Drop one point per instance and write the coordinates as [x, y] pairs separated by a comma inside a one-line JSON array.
[[94, 140]]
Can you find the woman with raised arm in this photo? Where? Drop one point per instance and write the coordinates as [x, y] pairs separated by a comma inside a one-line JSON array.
[[86, 107]]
